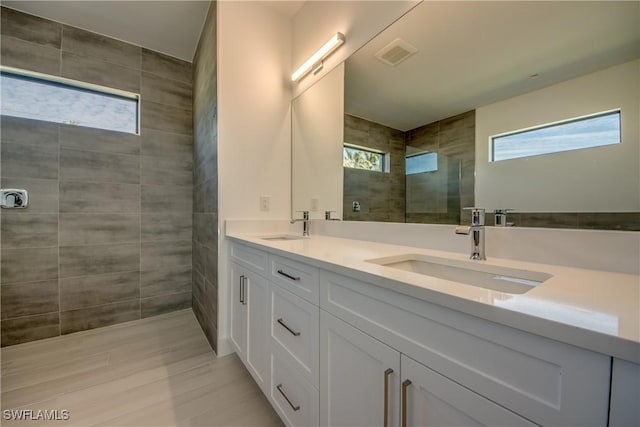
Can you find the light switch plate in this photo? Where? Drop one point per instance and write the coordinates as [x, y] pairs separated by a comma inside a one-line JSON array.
[[265, 203]]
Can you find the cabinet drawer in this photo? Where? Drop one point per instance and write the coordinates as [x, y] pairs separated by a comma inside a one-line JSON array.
[[294, 398], [298, 278], [295, 328], [545, 381], [250, 257], [434, 400]]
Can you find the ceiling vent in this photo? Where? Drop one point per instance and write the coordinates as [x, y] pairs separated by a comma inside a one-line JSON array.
[[395, 52]]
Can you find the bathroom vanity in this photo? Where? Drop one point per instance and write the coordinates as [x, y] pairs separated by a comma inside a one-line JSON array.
[[349, 332]]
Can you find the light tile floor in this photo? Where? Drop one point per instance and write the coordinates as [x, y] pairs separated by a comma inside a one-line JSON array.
[[157, 371]]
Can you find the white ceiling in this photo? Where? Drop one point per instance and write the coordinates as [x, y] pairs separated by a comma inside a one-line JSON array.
[[475, 53], [169, 27]]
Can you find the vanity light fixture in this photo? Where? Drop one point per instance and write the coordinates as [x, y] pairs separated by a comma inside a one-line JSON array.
[[315, 61]]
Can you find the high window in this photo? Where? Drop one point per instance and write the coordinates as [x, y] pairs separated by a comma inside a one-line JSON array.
[[574, 134], [52, 99]]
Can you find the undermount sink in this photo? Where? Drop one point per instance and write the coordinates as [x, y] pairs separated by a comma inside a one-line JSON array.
[[502, 279], [282, 237]]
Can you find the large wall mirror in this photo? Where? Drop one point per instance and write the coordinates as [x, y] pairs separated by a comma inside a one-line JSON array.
[[530, 106]]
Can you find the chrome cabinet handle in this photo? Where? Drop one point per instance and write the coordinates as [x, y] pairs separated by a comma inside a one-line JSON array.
[[288, 276], [243, 291], [294, 407], [294, 333], [405, 384], [387, 374]]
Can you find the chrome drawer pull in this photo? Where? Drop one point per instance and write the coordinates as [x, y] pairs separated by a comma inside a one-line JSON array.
[[405, 384], [294, 333], [288, 276], [387, 374], [294, 407]]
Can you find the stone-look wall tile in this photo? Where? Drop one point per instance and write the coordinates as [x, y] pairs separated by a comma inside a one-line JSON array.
[[43, 193], [29, 56], [165, 304], [106, 141], [171, 280], [101, 73], [97, 317], [29, 132], [88, 166], [165, 91], [168, 198], [23, 230], [166, 226], [166, 171], [30, 28], [377, 192], [166, 66], [165, 144], [100, 259], [90, 197], [28, 299], [29, 161], [205, 229], [629, 221], [89, 291], [198, 255], [546, 220], [94, 45], [98, 228], [30, 328], [29, 265], [166, 118], [91, 180], [205, 177], [159, 255]]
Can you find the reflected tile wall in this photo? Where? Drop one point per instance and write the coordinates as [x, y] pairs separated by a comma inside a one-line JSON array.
[[101, 242]]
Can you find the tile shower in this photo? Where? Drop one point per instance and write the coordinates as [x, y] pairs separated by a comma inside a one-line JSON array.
[[107, 237]]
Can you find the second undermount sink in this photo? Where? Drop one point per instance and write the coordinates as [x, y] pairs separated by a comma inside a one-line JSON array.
[[502, 279], [281, 237]]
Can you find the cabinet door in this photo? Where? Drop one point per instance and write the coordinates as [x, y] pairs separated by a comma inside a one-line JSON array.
[[429, 399], [625, 394], [238, 310], [256, 299], [359, 377]]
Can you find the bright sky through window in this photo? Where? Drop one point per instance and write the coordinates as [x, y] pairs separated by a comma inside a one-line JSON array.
[[51, 101], [586, 132]]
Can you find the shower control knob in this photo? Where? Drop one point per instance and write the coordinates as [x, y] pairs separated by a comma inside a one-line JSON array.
[[14, 199]]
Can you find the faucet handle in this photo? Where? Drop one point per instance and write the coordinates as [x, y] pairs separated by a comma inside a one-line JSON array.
[[500, 216], [305, 214], [477, 215]]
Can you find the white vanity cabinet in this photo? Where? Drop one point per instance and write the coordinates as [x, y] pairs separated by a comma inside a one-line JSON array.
[[360, 377], [331, 350], [250, 311], [294, 328], [625, 394], [367, 383]]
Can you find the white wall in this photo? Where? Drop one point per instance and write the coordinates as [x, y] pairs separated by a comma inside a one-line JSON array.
[[254, 123], [601, 179], [317, 139], [359, 21]]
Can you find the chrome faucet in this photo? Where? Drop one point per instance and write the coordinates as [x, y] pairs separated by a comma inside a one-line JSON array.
[[327, 216], [476, 231], [500, 216], [305, 223]]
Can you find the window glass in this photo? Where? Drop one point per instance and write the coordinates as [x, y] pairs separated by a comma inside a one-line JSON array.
[[358, 158], [575, 134], [52, 101], [421, 163]]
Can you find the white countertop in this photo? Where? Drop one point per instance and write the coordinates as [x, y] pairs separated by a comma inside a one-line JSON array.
[[592, 309]]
